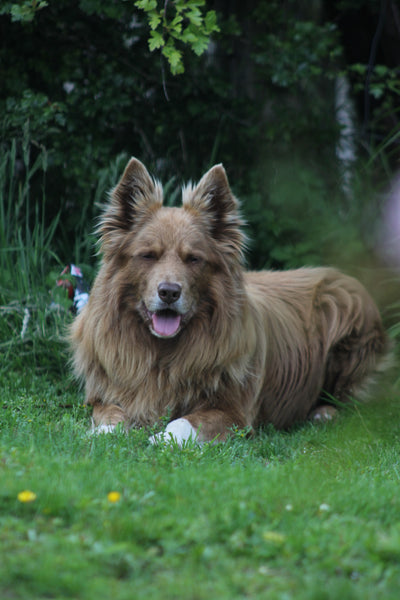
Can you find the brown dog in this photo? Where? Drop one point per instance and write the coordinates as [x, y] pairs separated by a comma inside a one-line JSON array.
[[174, 325]]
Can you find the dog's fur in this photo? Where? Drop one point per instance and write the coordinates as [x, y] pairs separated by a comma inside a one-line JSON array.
[[174, 325]]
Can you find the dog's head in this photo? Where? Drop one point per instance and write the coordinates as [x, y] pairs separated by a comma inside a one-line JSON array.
[[164, 259]]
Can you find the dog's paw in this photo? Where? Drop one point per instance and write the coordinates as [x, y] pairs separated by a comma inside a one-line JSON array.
[[100, 429], [324, 413], [177, 432]]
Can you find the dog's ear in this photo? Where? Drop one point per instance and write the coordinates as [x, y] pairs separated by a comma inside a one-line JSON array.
[[133, 200], [214, 201]]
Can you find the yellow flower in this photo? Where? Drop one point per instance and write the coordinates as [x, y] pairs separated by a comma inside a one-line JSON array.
[[26, 496], [113, 496]]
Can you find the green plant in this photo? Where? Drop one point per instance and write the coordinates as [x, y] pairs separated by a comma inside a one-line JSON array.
[[24, 10], [30, 323], [179, 21], [100, 93], [25, 242]]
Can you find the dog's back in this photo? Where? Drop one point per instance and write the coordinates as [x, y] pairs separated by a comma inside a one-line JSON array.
[[325, 337]]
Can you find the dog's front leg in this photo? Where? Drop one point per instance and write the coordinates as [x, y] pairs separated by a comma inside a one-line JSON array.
[[200, 426], [106, 416]]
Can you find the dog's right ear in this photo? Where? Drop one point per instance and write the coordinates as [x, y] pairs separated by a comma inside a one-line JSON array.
[[133, 200]]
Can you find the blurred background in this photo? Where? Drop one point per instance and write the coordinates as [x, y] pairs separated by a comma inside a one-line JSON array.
[[298, 99]]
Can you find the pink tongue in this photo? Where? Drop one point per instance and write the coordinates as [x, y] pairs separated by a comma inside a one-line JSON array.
[[166, 324]]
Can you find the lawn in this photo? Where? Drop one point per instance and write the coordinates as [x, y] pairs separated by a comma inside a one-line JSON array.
[[309, 514]]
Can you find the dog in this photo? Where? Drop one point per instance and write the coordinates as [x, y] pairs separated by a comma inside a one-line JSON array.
[[176, 326]]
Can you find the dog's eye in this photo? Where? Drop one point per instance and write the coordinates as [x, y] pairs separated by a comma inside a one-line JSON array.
[[192, 259], [149, 255]]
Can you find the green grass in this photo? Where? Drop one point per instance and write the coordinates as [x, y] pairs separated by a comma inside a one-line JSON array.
[[310, 514]]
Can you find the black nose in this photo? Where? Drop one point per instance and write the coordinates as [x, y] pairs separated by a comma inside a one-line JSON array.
[[169, 292]]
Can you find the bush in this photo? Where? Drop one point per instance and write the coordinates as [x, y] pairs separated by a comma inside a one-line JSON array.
[[84, 79]]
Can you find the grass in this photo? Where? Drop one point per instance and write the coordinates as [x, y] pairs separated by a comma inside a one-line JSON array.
[[314, 513], [33, 310]]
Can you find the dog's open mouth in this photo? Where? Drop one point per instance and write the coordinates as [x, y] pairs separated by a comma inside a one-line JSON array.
[[165, 323]]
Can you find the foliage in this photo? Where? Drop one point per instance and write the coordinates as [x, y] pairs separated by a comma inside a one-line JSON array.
[[186, 24], [381, 84], [169, 22], [25, 243], [99, 94], [297, 54], [24, 10], [31, 321], [35, 112], [383, 80]]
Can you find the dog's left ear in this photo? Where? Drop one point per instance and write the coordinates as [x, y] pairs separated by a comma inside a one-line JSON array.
[[214, 201]]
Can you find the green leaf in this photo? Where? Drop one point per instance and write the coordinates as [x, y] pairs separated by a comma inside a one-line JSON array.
[[376, 91], [210, 22], [176, 24], [154, 20], [200, 45], [25, 11], [188, 37], [195, 17], [146, 5], [156, 40], [174, 57], [381, 70]]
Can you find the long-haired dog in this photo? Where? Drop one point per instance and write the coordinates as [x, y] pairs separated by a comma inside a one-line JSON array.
[[176, 326]]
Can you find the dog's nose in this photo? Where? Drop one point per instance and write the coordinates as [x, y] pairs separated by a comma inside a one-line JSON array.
[[169, 292]]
